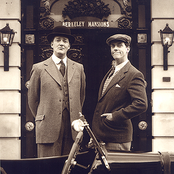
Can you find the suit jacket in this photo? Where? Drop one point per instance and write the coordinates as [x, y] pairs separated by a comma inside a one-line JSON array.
[[125, 97], [45, 96]]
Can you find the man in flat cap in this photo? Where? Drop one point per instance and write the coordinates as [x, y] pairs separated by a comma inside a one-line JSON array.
[[56, 94], [122, 96]]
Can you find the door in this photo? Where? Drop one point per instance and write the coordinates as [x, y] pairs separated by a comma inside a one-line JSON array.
[[91, 50]]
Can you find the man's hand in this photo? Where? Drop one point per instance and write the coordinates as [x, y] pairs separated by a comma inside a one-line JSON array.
[[108, 116]]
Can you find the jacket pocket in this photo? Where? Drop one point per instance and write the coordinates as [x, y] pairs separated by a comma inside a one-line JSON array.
[[112, 124], [39, 117], [107, 124]]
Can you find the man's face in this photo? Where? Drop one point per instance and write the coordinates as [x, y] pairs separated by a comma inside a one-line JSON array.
[[60, 46], [119, 51]]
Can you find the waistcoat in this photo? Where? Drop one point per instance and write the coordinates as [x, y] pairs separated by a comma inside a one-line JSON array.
[[65, 102]]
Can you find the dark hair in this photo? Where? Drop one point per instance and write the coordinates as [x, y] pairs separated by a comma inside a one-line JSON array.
[[127, 44]]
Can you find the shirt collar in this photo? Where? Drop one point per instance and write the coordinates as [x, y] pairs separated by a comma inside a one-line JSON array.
[[57, 60], [118, 67]]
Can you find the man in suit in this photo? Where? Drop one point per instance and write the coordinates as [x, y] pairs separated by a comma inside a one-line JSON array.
[[56, 94], [122, 96]]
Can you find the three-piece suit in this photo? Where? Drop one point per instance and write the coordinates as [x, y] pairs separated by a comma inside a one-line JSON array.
[[46, 97]]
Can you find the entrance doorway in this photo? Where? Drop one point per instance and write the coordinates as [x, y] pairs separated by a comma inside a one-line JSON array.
[[96, 58]]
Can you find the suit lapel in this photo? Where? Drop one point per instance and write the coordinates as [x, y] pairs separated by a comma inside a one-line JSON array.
[[71, 69], [119, 76], [52, 70]]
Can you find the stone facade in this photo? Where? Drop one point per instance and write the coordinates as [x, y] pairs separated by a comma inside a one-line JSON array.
[[10, 84], [163, 91]]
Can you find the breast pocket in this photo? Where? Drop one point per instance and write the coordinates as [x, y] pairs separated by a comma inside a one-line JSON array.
[[39, 118]]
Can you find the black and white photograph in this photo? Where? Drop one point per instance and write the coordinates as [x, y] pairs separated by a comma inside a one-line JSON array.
[[86, 87]]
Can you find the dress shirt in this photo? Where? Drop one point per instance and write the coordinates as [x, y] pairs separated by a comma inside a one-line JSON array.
[[57, 61], [109, 78], [118, 67]]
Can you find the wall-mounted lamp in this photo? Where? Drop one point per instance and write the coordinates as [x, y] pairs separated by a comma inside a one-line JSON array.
[[166, 40], [6, 38]]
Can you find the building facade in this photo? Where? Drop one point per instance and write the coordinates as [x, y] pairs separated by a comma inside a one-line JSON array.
[[91, 22]]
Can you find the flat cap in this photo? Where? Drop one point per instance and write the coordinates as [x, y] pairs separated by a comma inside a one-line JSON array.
[[119, 37]]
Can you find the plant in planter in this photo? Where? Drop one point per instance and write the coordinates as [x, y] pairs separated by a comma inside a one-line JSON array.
[[79, 8]]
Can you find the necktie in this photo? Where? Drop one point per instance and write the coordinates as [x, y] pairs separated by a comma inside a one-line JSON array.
[[109, 78], [112, 72], [62, 68]]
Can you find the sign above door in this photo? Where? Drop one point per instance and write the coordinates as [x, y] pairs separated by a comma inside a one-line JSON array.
[[86, 14]]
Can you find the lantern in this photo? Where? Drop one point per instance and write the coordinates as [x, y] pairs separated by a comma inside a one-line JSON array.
[[6, 38]]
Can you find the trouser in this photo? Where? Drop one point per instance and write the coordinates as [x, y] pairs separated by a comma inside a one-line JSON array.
[[63, 144]]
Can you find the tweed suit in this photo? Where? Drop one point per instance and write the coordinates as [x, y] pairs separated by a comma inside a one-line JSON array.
[[125, 97], [45, 97]]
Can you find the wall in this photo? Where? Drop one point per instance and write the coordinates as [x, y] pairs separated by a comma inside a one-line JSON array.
[[163, 92], [10, 84]]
